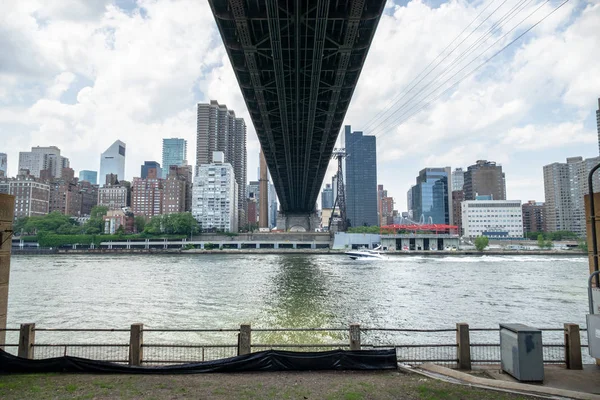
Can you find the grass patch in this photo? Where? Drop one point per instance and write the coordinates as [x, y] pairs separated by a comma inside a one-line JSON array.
[[103, 385], [71, 388], [353, 396], [247, 386]]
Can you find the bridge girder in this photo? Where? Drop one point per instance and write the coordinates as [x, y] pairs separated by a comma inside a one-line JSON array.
[[297, 63]]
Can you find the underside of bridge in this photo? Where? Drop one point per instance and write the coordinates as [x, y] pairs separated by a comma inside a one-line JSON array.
[[297, 63]]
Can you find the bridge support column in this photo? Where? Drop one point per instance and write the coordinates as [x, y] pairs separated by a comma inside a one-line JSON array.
[[7, 209], [293, 222]]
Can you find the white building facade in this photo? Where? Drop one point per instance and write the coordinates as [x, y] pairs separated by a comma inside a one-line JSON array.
[[492, 218], [214, 203], [113, 197]]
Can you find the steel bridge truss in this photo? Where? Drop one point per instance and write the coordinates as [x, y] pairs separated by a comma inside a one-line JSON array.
[[297, 63]]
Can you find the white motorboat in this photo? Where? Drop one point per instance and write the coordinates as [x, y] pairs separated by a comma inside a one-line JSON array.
[[366, 254]]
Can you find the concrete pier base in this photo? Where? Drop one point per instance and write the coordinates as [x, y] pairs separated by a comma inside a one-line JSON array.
[[293, 222]]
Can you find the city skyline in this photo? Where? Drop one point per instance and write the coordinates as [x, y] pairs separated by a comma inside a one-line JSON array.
[[86, 103]]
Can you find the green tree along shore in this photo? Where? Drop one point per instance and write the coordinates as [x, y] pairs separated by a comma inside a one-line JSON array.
[[481, 242], [56, 229], [558, 235]]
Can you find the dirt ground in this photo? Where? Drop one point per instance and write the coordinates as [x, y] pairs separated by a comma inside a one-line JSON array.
[[268, 385]]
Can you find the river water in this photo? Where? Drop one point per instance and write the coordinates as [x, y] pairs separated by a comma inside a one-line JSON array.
[[223, 291]]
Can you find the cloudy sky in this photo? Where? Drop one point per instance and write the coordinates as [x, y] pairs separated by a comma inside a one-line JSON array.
[[80, 74]]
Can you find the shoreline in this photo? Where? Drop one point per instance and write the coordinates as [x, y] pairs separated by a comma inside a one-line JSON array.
[[433, 254]]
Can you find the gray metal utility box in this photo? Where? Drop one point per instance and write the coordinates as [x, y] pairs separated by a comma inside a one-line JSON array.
[[593, 332], [521, 352]]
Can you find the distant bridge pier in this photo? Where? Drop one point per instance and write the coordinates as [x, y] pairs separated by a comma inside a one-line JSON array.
[[298, 222]]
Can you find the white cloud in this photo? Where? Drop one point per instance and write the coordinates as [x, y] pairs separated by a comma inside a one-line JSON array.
[[536, 137], [61, 84]]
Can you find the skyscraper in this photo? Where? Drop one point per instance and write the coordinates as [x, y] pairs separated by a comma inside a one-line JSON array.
[[458, 196], [218, 130], [564, 188], [598, 122], [409, 200], [174, 152], [361, 178], [43, 162], [3, 165], [90, 176], [458, 179], [112, 161], [151, 165], [147, 196], [327, 197], [253, 193], [385, 206], [432, 196], [272, 206], [534, 219], [485, 178]]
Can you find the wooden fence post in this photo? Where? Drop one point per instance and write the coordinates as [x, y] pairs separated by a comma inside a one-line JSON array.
[[573, 347], [354, 336], [463, 346], [136, 341], [245, 339], [26, 341]]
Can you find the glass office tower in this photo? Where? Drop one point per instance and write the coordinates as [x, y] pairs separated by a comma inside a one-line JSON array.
[[361, 178], [431, 199]]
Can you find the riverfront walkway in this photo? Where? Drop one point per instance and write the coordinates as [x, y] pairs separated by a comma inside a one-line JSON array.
[[559, 382]]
